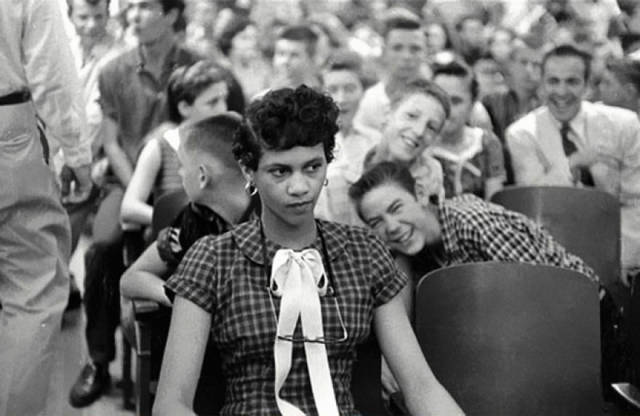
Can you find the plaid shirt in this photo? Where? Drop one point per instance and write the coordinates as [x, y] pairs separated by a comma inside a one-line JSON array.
[[193, 222], [228, 277], [474, 230]]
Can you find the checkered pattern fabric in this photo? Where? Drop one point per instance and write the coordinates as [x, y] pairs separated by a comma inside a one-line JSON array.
[[228, 276], [193, 222], [475, 230]]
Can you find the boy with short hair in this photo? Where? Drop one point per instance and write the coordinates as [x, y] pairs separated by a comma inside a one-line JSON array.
[[294, 58], [404, 53], [417, 114], [208, 171]]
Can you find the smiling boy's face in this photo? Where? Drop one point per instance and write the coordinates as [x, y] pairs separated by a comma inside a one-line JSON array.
[[399, 219], [412, 126]]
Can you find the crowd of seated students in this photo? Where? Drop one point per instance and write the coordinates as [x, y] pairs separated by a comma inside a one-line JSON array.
[[420, 148]]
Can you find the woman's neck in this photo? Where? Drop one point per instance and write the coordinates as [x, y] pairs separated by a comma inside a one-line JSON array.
[[293, 236]]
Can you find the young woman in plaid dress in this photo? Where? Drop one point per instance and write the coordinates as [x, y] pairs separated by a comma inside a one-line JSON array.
[[286, 298]]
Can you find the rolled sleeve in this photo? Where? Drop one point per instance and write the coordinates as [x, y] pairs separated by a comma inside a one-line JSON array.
[[194, 278], [388, 280]]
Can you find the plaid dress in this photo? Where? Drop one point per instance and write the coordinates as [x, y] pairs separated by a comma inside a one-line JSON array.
[[228, 277]]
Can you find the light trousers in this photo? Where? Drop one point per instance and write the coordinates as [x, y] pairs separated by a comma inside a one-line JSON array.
[[34, 281]]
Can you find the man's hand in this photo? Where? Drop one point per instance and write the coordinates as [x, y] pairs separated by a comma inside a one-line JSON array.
[[76, 184], [584, 158]]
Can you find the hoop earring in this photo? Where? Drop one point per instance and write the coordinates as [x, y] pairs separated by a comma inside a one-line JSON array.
[[250, 188], [326, 182]]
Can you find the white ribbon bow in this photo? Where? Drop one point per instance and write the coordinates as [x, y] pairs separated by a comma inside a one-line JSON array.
[[298, 278]]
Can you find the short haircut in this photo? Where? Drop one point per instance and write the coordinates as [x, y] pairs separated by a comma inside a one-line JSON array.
[[625, 70], [569, 51], [212, 137], [90, 2], [380, 174], [345, 60], [422, 86], [400, 23], [168, 5], [286, 118], [300, 33], [460, 70], [187, 82]]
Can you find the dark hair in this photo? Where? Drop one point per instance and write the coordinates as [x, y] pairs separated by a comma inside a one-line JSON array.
[[168, 5], [422, 86], [187, 82], [91, 2], [400, 23], [286, 118], [569, 51], [231, 30], [448, 44], [460, 70], [213, 137], [626, 71], [345, 60], [300, 33], [380, 174]]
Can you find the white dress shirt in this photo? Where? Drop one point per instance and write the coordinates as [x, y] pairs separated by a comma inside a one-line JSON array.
[[612, 133], [35, 55]]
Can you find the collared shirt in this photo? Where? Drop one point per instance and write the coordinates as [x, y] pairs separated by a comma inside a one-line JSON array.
[[612, 133], [227, 276], [468, 169], [35, 55], [474, 230], [196, 221], [134, 98]]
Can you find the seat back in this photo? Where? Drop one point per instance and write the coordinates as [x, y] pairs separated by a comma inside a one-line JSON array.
[[366, 386], [584, 220], [165, 210], [512, 339]]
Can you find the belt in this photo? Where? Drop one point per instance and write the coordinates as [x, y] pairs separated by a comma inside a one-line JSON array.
[[20, 97], [14, 98]]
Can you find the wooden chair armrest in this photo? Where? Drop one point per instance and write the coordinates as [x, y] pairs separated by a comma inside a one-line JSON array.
[[144, 308]]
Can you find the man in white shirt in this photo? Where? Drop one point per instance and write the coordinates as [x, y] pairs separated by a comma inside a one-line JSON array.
[[38, 80], [569, 141]]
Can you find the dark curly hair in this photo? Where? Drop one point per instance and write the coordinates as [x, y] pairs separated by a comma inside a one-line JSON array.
[[283, 119]]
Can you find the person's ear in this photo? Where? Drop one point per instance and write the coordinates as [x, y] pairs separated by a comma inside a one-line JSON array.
[[247, 173], [184, 108], [204, 176], [386, 116], [172, 15]]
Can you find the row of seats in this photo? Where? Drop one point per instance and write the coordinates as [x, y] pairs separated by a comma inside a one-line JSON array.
[[502, 338]]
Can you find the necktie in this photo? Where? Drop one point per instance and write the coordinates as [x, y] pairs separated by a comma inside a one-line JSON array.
[[569, 147], [299, 280]]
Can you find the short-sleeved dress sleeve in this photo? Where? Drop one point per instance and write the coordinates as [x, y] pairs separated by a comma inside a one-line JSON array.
[[387, 280], [195, 276]]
